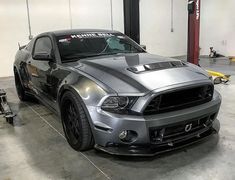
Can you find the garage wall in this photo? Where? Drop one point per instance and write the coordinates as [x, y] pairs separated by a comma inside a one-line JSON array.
[[96, 14], [13, 29], [218, 26], [155, 26], [47, 16]]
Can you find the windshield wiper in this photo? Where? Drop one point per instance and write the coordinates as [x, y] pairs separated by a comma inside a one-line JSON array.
[[77, 57], [102, 54]]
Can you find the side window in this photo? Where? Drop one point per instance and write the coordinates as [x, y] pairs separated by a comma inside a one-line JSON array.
[[43, 45]]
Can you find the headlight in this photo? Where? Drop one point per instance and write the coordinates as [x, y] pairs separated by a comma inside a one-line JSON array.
[[118, 104]]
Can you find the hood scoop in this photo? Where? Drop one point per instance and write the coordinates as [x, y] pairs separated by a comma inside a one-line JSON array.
[[156, 66]]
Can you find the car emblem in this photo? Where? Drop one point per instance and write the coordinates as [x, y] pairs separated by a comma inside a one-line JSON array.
[[188, 127]]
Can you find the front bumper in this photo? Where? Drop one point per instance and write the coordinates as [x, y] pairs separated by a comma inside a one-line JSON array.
[[106, 128], [152, 150]]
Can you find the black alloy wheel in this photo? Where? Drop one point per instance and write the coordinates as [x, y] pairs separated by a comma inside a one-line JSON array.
[[75, 123]]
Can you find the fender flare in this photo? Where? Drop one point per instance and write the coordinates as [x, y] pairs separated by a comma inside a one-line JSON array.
[[66, 88], [18, 72]]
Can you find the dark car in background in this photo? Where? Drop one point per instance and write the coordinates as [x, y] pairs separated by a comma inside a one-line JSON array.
[[113, 95]]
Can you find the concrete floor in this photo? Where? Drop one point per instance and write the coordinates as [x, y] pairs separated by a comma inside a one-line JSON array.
[[35, 147]]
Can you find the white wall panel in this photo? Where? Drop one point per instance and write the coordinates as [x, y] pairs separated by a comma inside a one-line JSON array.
[[118, 19], [155, 26], [91, 14], [218, 26], [49, 15], [13, 29], [97, 14]]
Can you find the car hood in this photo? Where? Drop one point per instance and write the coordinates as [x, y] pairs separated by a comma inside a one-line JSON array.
[[140, 73]]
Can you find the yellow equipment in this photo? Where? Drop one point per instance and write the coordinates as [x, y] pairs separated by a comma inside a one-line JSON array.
[[232, 59], [218, 77]]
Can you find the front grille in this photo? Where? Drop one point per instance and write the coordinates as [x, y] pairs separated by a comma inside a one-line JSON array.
[[168, 134], [179, 99]]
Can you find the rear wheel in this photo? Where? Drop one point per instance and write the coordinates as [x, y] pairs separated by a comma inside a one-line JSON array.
[[75, 123], [20, 89]]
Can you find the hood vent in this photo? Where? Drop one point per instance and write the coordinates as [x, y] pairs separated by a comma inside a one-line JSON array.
[[156, 66]]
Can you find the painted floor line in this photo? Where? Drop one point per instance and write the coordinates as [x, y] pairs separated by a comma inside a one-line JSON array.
[[65, 139]]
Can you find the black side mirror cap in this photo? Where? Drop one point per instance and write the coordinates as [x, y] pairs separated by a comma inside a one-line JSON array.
[[143, 47], [44, 56]]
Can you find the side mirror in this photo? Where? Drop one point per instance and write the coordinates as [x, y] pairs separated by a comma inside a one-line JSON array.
[[143, 47], [42, 56]]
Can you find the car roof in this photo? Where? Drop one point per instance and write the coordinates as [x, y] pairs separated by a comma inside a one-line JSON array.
[[78, 31]]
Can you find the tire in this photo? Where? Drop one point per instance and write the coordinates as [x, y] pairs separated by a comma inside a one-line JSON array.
[[20, 89], [75, 123]]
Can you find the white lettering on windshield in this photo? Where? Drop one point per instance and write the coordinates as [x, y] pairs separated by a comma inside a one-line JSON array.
[[91, 35]]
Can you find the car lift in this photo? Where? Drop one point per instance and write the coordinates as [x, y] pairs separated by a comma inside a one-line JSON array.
[[219, 77], [232, 59], [193, 40], [5, 108], [193, 31]]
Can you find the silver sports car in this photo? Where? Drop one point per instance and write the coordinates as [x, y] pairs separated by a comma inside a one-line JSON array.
[[113, 95]]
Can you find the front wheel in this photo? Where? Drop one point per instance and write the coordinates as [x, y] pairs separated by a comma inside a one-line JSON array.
[[75, 123]]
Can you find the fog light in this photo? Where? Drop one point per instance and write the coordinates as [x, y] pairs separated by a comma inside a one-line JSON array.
[[123, 135], [128, 136]]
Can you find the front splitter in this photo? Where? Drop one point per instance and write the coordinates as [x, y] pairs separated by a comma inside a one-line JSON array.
[[152, 149]]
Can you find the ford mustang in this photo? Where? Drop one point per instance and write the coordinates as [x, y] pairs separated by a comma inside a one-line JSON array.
[[112, 95]]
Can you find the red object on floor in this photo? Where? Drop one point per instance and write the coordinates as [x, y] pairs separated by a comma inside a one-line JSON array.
[[193, 31]]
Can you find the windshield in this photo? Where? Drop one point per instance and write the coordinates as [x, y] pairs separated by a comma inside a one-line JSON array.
[[77, 46]]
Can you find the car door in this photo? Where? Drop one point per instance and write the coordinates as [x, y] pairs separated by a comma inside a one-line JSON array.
[[40, 69]]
